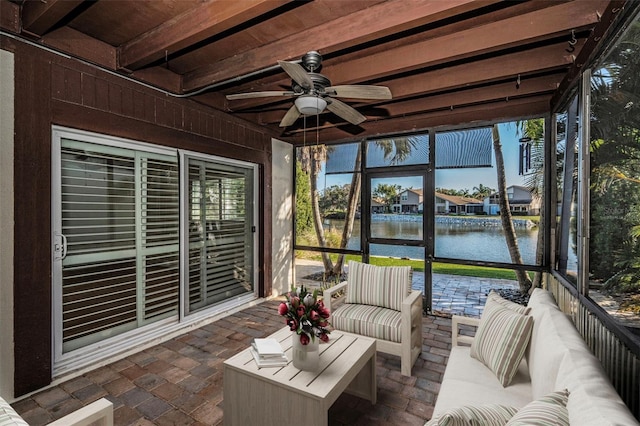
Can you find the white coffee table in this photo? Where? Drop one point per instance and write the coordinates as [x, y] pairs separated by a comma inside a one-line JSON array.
[[286, 395]]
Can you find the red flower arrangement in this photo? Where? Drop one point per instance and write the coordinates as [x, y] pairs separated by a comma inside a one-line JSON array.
[[305, 314]]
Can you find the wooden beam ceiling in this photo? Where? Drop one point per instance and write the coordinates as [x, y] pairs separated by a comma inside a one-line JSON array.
[[443, 61], [532, 27], [192, 27], [38, 17], [541, 59], [370, 24]]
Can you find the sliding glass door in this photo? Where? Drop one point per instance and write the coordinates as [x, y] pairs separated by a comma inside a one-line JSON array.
[[145, 239], [220, 232]]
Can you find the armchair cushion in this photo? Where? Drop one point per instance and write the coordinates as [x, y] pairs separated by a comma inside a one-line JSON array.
[[385, 286], [367, 320]]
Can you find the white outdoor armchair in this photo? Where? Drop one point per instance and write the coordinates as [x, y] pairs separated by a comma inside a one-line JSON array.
[[379, 303]]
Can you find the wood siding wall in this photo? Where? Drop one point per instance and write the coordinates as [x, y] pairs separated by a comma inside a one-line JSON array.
[[621, 364], [51, 89]]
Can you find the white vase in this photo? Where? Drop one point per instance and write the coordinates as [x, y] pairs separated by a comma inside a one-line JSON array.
[[305, 357]]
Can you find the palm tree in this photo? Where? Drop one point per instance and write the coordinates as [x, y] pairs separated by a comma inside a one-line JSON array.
[[505, 214], [534, 181], [481, 191]]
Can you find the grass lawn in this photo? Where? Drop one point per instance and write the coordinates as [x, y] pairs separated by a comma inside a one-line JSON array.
[[438, 268]]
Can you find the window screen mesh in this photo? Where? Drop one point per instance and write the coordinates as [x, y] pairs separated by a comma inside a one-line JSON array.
[[401, 151], [464, 148], [341, 158]]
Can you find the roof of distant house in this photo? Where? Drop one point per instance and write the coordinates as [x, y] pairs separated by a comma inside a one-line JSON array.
[[455, 199]]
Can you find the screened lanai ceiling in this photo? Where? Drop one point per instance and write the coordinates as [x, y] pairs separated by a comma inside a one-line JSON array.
[[445, 62]]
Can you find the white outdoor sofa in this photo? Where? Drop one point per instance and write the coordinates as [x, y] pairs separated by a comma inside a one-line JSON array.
[[98, 413], [379, 303], [556, 361]]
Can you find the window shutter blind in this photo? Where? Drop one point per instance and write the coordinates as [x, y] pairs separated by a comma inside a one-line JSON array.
[[220, 260], [160, 223], [120, 215]]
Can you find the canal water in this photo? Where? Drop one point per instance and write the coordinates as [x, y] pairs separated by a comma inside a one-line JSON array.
[[457, 239]]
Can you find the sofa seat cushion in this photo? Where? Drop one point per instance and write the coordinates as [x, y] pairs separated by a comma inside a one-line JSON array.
[[501, 340], [385, 286], [367, 320], [469, 382], [541, 298], [592, 399], [547, 348]]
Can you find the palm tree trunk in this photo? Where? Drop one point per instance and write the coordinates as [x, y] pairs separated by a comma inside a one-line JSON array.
[[505, 214], [354, 196], [537, 277], [317, 218]]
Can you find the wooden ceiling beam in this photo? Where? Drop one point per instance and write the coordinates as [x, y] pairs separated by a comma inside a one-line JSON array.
[[522, 63], [9, 16], [546, 84], [73, 42], [528, 28], [196, 25], [38, 17], [360, 27], [597, 36]]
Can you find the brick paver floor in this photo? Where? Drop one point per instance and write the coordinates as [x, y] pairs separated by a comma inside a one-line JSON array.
[[179, 382]]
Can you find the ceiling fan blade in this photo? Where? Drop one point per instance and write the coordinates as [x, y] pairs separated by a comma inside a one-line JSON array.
[[266, 94], [290, 117], [358, 91], [297, 73], [345, 111]]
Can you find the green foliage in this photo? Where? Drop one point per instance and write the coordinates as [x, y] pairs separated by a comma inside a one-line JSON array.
[[615, 167], [304, 220], [334, 198], [386, 194], [481, 191]]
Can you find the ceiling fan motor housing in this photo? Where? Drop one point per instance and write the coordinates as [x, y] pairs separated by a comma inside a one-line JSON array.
[[320, 82], [312, 61]]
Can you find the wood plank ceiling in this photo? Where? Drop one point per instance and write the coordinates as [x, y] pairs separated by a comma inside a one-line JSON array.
[[445, 62]]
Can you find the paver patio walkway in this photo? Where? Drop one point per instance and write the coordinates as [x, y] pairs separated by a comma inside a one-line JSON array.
[[180, 382], [452, 294]]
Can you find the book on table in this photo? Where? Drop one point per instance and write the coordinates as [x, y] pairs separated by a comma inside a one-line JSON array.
[[268, 353]]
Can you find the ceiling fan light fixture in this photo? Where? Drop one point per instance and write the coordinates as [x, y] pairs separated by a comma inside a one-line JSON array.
[[310, 105]]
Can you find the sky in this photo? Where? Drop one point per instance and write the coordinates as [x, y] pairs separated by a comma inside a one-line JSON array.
[[457, 178]]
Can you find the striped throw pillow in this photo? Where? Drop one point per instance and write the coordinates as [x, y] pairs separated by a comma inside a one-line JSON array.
[[550, 410], [501, 340], [524, 310], [485, 415], [385, 286]]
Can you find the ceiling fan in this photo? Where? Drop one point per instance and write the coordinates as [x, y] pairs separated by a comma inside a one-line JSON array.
[[314, 92]]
